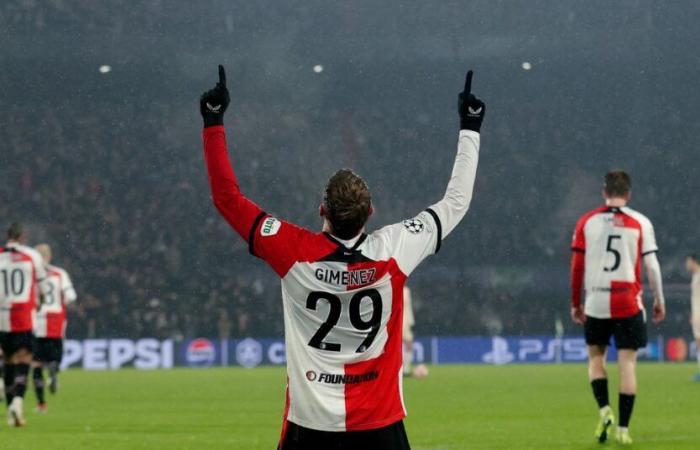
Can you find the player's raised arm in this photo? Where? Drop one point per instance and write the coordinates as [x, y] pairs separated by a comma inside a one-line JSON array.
[[454, 205], [238, 211], [415, 239]]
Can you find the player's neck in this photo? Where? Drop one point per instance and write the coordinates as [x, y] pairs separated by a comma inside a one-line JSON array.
[[616, 202], [327, 228]]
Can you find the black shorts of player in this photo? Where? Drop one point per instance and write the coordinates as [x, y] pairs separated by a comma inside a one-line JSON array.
[[392, 437], [630, 332], [48, 350], [13, 342]]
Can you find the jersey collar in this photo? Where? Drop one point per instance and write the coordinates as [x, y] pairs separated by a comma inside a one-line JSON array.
[[350, 244]]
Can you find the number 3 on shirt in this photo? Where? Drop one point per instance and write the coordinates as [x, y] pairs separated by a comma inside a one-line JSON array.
[[336, 306]]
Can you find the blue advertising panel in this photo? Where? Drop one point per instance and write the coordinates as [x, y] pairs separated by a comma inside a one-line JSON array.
[[148, 353]]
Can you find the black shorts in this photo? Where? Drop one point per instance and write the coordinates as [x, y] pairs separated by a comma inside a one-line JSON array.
[[630, 332], [12, 342], [392, 437], [47, 350]]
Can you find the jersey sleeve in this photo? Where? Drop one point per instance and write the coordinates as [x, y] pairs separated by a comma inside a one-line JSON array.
[[68, 291], [412, 240], [42, 277], [450, 210], [277, 242], [241, 213], [578, 269], [578, 241], [648, 238]]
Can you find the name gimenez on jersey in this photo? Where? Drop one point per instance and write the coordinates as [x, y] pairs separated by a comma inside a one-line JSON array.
[[358, 277], [337, 378]]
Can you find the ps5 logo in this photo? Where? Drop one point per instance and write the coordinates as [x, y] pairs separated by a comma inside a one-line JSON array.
[[535, 350]]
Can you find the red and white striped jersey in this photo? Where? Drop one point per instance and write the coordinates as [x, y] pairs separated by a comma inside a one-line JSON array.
[[342, 299], [343, 310], [51, 313], [22, 276], [614, 241]]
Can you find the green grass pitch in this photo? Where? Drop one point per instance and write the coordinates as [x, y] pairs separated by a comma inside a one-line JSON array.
[[456, 407]]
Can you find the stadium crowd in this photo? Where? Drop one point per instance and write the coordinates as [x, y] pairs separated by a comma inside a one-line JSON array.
[[107, 168]]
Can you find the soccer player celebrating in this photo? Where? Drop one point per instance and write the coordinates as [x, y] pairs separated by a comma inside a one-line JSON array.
[[342, 288], [22, 281], [50, 326], [608, 246], [693, 265]]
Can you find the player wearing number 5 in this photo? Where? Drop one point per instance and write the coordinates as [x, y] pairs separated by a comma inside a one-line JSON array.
[[342, 288], [22, 285], [609, 245]]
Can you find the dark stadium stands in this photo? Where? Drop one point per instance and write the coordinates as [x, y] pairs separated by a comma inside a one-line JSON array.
[[107, 168]]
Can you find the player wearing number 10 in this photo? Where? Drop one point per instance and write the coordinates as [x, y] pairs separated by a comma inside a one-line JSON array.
[[342, 289], [608, 246], [22, 281]]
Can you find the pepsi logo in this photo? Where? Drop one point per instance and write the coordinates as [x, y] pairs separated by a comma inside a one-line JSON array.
[[201, 352]]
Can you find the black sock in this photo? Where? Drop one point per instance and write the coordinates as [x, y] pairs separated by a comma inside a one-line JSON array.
[[600, 391], [39, 385], [53, 369], [9, 379], [626, 405], [21, 375]]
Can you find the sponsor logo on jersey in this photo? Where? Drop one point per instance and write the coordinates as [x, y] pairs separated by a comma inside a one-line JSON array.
[[337, 378], [346, 278], [270, 227], [200, 352], [414, 226]]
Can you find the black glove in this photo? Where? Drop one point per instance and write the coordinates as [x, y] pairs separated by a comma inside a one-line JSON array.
[[213, 103], [471, 109]]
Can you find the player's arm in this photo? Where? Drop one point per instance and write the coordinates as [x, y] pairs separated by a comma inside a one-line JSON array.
[[68, 291], [578, 267], [651, 262], [239, 212], [415, 239], [41, 278], [449, 211], [653, 269], [275, 241]]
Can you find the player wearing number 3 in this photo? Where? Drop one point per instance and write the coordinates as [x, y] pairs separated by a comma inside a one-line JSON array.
[[50, 326], [609, 245], [342, 288]]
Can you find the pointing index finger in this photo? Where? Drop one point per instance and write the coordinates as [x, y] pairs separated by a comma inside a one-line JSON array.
[[222, 76], [468, 83]]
